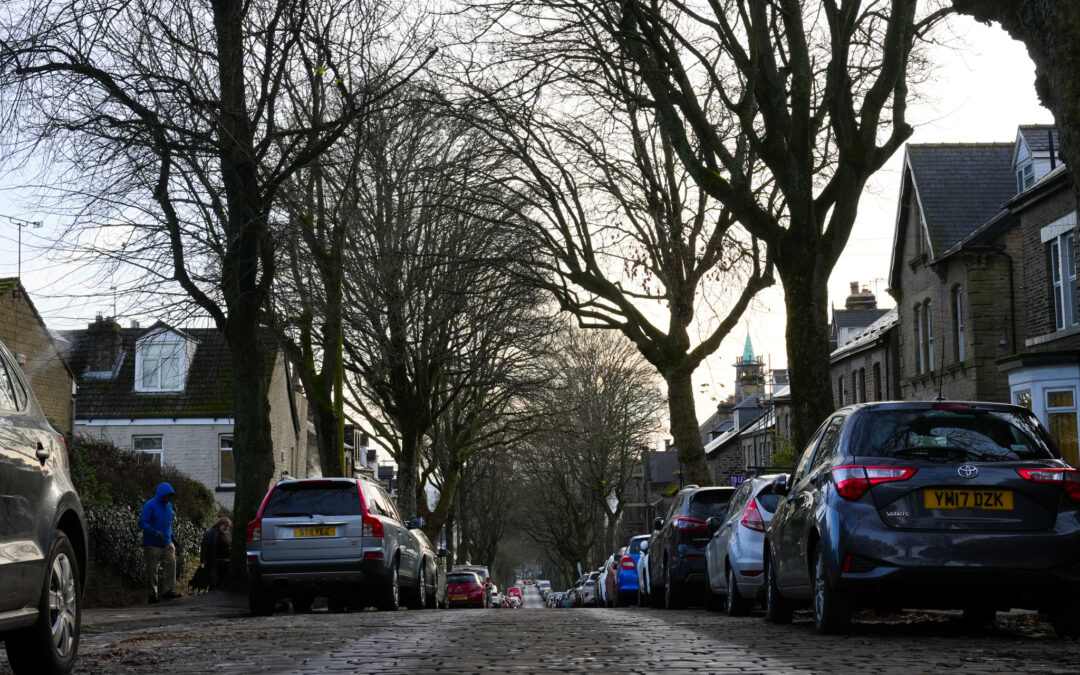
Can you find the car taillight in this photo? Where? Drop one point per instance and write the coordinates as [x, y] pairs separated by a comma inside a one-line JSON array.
[[852, 482], [751, 517], [254, 530], [1067, 479], [627, 563], [684, 523], [372, 526]]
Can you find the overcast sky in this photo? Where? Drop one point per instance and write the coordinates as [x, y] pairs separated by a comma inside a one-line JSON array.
[[982, 90]]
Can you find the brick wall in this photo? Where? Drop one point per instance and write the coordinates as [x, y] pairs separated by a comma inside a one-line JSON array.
[[1035, 259], [22, 332]]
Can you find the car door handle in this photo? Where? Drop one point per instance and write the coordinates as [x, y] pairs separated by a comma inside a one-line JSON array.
[[42, 453]]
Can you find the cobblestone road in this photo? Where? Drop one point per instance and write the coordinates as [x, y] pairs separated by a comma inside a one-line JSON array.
[[213, 633]]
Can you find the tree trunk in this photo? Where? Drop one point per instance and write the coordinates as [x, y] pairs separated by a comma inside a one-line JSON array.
[[408, 470], [435, 519], [330, 432], [252, 441], [807, 333], [684, 426]]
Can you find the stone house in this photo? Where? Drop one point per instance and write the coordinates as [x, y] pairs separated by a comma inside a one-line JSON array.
[[953, 269], [1044, 372], [39, 353], [860, 310], [168, 392], [866, 368]]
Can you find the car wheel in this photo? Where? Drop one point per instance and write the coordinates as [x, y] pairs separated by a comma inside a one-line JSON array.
[[832, 609], [51, 643], [673, 591], [735, 604], [261, 600], [419, 595], [391, 593], [301, 603], [777, 607]]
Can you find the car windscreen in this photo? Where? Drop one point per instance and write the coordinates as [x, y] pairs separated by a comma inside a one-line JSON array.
[[954, 434], [709, 503], [461, 578], [326, 498], [635, 546]]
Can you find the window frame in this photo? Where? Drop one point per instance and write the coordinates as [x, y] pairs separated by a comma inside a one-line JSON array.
[[160, 451], [958, 324], [221, 450], [158, 349], [1063, 284]]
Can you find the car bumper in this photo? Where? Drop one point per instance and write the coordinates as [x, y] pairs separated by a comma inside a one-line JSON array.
[[365, 573], [690, 567], [628, 581]]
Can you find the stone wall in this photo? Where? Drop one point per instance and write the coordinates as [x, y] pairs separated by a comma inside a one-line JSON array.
[[21, 330]]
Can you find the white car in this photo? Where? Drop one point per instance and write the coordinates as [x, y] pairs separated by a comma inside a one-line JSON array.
[[496, 601]]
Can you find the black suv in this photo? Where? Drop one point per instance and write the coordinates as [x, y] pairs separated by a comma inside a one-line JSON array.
[[677, 548], [42, 534], [342, 538]]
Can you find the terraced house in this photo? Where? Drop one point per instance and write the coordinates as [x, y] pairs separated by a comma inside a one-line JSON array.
[[167, 392]]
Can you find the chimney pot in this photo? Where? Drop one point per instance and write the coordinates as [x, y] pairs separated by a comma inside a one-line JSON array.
[[854, 287]]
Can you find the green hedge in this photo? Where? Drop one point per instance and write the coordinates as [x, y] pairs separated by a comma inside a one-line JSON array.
[[113, 484]]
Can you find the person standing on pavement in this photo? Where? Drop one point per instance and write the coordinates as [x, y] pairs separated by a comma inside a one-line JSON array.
[[214, 554], [158, 549]]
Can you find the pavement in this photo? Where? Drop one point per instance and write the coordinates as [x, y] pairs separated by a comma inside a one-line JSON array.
[[212, 633]]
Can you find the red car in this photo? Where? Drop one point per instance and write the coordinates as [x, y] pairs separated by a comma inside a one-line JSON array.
[[515, 592], [465, 589]]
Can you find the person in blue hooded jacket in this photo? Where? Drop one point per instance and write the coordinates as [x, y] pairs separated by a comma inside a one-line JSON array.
[[156, 523]]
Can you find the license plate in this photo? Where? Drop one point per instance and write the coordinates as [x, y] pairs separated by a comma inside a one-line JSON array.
[[988, 500], [459, 598], [317, 531]]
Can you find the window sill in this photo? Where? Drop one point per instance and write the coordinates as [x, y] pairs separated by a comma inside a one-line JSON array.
[[225, 488], [1050, 337]]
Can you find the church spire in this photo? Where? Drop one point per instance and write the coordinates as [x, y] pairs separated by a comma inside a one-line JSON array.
[[748, 350]]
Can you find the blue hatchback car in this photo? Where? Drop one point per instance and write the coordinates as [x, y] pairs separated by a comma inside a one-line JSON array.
[[628, 574]]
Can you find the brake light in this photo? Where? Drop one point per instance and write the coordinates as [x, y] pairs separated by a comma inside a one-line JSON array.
[[852, 482], [751, 517], [685, 523], [1067, 479], [254, 530], [627, 563], [372, 526]]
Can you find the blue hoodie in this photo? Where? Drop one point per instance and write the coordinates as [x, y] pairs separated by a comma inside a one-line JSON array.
[[156, 518]]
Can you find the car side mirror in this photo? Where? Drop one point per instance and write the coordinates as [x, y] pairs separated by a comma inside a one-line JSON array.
[[714, 524], [644, 545], [443, 553], [658, 523], [780, 484], [416, 523]]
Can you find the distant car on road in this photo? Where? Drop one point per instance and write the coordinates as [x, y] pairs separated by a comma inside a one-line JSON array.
[[465, 589], [944, 504], [42, 534]]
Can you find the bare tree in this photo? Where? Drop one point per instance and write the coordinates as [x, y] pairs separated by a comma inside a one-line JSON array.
[[1051, 33], [627, 240], [180, 122]]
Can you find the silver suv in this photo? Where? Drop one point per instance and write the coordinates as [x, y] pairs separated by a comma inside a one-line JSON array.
[[42, 534], [342, 538]]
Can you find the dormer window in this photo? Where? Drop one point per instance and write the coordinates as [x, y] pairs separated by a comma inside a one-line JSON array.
[[1025, 177], [161, 361]]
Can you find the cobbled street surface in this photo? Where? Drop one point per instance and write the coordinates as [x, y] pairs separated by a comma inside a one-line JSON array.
[[212, 633]]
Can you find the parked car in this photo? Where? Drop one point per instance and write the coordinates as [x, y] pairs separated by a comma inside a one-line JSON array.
[[494, 600], [42, 534], [338, 537], [733, 557], [514, 593], [677, 551], [627, 579], [927, 504], [609, 579], [465, 589], [589, 591]]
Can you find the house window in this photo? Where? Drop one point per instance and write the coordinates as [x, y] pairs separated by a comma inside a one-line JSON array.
[[920, 357], [840, 390], [924, 327], [958, 320], [860, 392], [877, 382], [1025, 177], [150, 445], [1061, 422], [159, 365], [225, 456], [1063, 277]]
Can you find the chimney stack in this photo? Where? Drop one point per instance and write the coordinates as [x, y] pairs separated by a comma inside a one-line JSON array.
[[104, 345]]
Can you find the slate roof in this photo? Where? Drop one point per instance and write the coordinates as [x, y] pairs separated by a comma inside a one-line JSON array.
[[888, 320], [753, 401], [960, 186], [208, 391], [847, 318], [1036, 137]]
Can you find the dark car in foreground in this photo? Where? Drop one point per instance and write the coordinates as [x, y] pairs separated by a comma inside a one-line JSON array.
[[42, 534], [342, 538], [676, 560], [946, 505]]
